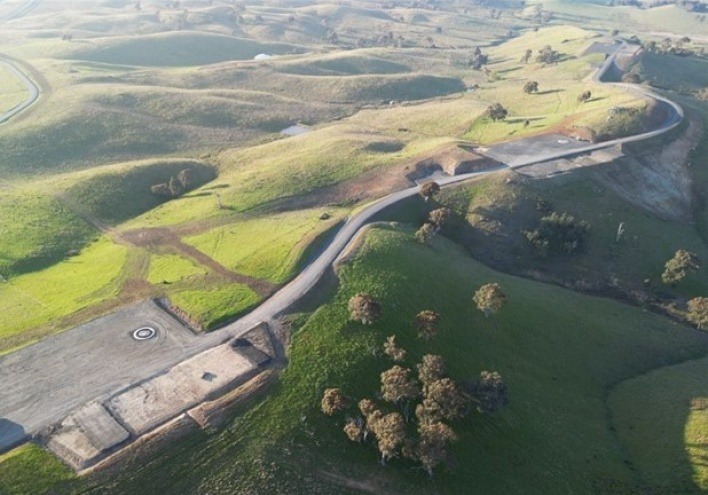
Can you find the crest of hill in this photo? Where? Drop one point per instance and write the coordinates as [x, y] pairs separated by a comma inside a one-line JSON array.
[[342, 65], [175, 49]]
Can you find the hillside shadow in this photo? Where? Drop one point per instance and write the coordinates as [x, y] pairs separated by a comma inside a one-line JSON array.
[[11, 434]]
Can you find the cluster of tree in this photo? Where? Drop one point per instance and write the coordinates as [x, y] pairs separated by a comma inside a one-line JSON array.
[[547, 55], [689, 5], [678, 267], [559, 233], [622, 121], [531, 87], [176, 186], [675, 270], [413, 421], [670, 47], [478, 59], [436, 220], [496, 112]]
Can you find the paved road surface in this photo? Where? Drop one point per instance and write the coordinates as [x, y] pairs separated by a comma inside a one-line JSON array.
[[43, 382], [32, 88]]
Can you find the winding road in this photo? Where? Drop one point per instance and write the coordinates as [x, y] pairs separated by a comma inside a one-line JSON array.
[[32, 89], [44, 382]]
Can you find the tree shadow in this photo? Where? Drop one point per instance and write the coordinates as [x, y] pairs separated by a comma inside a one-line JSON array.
[[550, 91], [11, 435], [520, 120], [596, 98]]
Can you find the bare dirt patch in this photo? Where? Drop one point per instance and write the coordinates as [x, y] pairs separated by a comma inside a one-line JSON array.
[[658, 178]]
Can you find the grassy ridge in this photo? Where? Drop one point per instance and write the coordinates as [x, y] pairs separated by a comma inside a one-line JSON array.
[[554, 438], [498, 208], [36, 230], [123, 192], [555, 103]]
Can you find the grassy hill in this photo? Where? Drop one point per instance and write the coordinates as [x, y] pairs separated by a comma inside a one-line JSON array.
[[555, 437], [662, 419], [177, 49]]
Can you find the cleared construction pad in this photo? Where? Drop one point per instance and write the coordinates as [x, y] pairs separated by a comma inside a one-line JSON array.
[[148, 405], [99, 428]]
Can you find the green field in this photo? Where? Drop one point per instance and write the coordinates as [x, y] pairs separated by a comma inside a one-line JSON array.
[[28, 469], [217, 305], [268, 248], [555, 437], [40, 297], [12, 91], [170, 268], [662, 420]]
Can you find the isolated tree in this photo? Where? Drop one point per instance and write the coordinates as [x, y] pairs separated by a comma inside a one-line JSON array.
[[527, 55], [425, 233], [531, 87], [439, 216], [398, 386], [430, 369], [364, 308], [390, 435], [497, 112], [433, 447], [489, 299], [527, 122], [584, 96], [489, 392], [354, 429], [698, 311], [445, 400], [677, 267], [426, 322], [391, 350], [186, 178], [429, 190], [333, 401]]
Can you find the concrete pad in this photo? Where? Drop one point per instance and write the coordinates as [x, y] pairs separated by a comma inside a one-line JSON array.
[[148, 405], [100, 427], [73, 446], [86, 435]]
